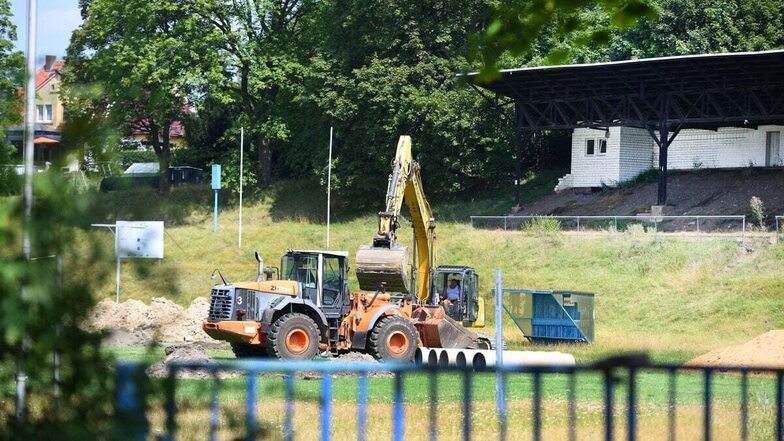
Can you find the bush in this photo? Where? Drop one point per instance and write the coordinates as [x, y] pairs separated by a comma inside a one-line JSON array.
[[757, 211], [542, 226]]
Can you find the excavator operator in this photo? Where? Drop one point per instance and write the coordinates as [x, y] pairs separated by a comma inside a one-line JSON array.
[[453, 292]]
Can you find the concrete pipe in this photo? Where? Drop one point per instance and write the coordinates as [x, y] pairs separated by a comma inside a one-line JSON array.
[[448, 357], [432, 358], [465, 359], [486, 359], [421, 355]]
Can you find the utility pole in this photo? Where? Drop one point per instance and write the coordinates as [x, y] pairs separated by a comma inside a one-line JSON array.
[[329, 182], [242, 142], [32, 18]]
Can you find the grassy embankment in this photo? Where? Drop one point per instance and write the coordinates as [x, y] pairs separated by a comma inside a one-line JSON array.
[[674, 297]]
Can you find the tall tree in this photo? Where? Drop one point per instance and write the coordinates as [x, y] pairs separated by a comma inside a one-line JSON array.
[[146, 59], [11, 79], [384, 69], [257, 42]]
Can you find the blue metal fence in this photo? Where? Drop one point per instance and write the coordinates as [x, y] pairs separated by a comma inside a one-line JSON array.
[[617, 376]]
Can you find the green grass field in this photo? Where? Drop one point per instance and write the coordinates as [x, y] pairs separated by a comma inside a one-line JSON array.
[[193, 402]]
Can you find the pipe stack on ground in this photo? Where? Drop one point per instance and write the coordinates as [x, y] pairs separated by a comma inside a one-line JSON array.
[[486, 359]]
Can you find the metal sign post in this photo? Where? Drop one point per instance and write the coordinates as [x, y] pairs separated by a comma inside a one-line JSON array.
[[216, 185], [329, 182], [242, 142]]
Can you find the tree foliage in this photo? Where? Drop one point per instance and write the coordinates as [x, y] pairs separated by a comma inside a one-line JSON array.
[[11, 79], [287, 70], [142, 55]]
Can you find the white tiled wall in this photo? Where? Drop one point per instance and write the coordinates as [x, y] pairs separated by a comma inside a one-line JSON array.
[[593, 171], [631, 151], [724, 148]]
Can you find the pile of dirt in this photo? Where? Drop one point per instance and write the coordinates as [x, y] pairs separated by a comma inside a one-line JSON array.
[[354, 356], [123, 338], [186, 353], [764, 351], [162, 319]]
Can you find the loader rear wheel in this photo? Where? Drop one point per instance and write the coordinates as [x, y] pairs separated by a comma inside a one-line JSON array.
[[248, 351], [393, 339], [294, 336]]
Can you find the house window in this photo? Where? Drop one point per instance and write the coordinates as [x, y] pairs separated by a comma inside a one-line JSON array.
[[590, 147], [602, 146], [44, 112]]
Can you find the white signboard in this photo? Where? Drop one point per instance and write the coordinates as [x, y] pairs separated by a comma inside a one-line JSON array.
[[139, 240]]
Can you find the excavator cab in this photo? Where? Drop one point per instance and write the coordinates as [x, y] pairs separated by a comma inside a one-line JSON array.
[[469, 308]]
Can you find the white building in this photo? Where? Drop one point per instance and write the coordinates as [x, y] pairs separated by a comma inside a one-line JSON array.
[[609, 157]]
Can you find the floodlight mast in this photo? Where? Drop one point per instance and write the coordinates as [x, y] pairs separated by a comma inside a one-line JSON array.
[[32, 17]]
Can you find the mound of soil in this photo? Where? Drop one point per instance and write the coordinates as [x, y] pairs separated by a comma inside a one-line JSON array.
[[764, 351], [162, 319], [122, 338], [185, 353]]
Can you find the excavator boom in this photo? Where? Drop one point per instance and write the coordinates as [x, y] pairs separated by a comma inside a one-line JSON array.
[[385, 261]]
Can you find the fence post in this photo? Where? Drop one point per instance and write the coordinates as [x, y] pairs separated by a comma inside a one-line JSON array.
[[615, 222], [500, 386], [578, 225], [326, 407], [698, 225], [743, 231], [504, 223], [129, 404]]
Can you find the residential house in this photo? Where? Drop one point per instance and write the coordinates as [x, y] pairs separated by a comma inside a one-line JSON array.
[[48, 113]]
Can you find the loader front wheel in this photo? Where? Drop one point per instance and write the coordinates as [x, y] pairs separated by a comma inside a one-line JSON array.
[[393, 339], [294, 336]]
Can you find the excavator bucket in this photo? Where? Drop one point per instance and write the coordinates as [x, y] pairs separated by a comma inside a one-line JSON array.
[[376, 265]]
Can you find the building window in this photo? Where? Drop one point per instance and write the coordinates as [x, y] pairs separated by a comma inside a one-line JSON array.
[[44, 112], [590, 147], [602, 146]]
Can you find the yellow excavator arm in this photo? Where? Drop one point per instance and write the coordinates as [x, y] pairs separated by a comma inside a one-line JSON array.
[[386, 261]]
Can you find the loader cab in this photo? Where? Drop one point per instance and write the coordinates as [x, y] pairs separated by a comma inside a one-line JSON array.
[[323, 276], [469, 309]]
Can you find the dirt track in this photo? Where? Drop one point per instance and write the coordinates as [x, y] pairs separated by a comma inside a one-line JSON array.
[[766, 350]]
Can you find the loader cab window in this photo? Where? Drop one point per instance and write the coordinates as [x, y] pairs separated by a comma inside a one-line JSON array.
[[333, 280], [303, 269]]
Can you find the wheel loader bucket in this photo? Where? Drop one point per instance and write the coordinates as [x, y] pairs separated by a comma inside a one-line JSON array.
[[389, 265], [438, 330]]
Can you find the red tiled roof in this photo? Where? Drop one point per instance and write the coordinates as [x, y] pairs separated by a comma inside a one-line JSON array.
[[141, 127], [42, 76]]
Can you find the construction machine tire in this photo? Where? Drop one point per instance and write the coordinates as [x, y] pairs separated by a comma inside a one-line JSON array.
[[394, 338], [249, 351], [294, 336]]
